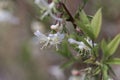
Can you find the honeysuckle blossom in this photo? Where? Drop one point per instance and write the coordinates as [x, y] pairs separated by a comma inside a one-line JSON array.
[[51, 39], [90, 42], [47, 8], [81, 45], [72, 41]]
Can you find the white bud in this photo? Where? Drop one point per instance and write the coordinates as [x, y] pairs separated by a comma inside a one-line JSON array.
[[75, 72], [54, 27]]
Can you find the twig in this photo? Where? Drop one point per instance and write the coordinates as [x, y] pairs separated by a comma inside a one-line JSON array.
[[71, 18]]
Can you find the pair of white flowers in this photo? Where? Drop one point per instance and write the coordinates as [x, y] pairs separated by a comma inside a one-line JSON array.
[[47, 8], [82, 45], [51, 39]]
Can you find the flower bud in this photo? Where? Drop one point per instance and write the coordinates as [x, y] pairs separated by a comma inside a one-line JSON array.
[[54, 27], [75, 72]]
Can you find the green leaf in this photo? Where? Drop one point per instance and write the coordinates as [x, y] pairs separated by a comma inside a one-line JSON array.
[[96, 71], [84, 18], [64, 50], [105, 72], [67, 64], [96, 23], [90, 17], [104, 48], [113, 45], [86, 29], [113, 61], [74, 36]]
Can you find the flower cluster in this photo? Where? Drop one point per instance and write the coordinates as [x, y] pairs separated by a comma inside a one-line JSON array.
[[83, 42], [51, 39], [81, 45], [47, 9]]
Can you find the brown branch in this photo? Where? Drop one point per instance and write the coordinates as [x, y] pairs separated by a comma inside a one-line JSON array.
[[71, 18]]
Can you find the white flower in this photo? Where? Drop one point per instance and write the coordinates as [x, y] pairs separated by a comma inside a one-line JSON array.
[[41, 36], [56, 39], [47, 8], [52, 39], [42, 4], [72, 41], [90, 42], [81, 45]]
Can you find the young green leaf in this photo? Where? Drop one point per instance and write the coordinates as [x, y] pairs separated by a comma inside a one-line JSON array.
[[104, 48], [90, 17], [96, 23], [67, 64], [84, 18], [113, 45], [64, 50], [113, 61], [96, 71], [105, 72], [86, 29]]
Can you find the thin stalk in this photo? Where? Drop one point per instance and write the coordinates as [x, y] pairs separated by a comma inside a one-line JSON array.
[[71, 18]]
